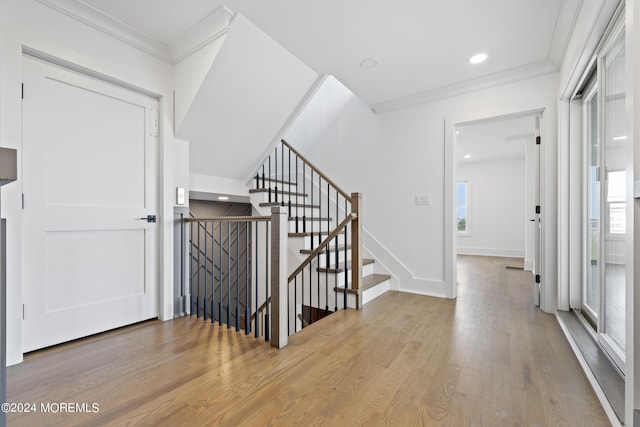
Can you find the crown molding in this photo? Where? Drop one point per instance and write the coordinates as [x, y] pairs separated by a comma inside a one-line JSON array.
[[209, 29], [565, 24], [513, 75]]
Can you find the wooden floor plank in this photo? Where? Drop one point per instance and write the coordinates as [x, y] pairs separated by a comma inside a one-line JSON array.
[[487, 358]]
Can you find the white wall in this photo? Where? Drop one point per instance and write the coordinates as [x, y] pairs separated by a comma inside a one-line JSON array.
[[496, 208], [31, 24], [246, 98], [394, 156]]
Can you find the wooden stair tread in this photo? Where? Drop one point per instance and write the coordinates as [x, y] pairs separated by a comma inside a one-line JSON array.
[[368, 282], [308, 218], [288, 193], [331, 249], [286, 204], [308, 233], [340, 269], [277, 181]]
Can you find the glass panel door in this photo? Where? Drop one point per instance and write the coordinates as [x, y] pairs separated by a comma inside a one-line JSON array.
[[614, 194], [603, 297], [591, 294]]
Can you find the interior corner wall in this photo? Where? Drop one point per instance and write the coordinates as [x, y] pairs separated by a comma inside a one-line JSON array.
[[190, 72], [496, 208], [395, 156], [31, 24]]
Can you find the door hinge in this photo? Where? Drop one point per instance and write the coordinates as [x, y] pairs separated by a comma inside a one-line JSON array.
[[22, 311], [22, 95], [538, 209], [22, 201], [537, 278], [538, 140]]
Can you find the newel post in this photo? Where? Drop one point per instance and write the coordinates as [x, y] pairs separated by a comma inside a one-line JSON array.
[[279, 279], [356, 244]]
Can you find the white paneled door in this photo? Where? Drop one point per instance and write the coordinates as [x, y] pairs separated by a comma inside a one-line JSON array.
[[89, 176]]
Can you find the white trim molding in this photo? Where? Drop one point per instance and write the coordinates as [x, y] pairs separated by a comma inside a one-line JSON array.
[[513, 75], [209, 29]]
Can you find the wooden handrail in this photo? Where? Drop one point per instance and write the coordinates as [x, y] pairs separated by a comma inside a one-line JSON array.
[[324, 177], [232, 219], [323, 245], [261, 308]]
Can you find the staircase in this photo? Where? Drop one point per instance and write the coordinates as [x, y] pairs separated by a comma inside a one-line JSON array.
[[315, 207], [298, 260]]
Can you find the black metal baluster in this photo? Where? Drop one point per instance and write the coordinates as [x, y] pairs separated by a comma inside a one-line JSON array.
[[310, 296], [191, 243], [228, 274], [269, 178], [319, 218], [276, 170], [206, 270], [237, 276], [220, 284], [267, 323], [289, 184], [256, 262], [247, 286], [346, 271], [297, 203], [304, 198], [198, 276], [328, 254], [295, 303], [263, 176], [318, 284], [282, 172], [311, 207], [213, 272], [337, 258]]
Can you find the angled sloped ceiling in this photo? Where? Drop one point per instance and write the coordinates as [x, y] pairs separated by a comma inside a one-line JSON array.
[[252, 88]]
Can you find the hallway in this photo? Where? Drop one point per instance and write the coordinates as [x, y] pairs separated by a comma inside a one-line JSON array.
[[487, 359]]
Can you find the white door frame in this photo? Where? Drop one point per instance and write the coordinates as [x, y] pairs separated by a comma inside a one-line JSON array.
[[549, 294]]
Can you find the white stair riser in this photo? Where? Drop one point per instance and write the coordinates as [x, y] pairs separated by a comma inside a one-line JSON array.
[[374, 292]]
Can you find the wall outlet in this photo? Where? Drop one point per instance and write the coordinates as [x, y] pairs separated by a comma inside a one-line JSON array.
[[423, 199]]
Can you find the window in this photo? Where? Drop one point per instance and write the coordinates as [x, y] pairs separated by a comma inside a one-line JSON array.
[[462, 206], [616, 186]]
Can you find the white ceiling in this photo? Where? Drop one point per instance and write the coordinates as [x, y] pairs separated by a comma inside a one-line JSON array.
[[422, 46], [494, 139]]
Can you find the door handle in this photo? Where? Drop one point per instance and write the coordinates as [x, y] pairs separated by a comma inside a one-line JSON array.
[[148, 218]]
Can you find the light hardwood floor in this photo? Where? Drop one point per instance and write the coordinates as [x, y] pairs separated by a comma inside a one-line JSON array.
[[488, 358]]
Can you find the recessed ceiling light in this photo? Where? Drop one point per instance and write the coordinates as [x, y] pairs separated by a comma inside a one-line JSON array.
[[368, 63], [467, 156], [478, 58], [223, 198]]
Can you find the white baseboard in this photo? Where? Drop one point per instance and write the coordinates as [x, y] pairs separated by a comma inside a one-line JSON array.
[[499, 252]]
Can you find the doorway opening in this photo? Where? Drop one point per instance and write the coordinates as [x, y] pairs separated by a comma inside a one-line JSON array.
[[496, 185]]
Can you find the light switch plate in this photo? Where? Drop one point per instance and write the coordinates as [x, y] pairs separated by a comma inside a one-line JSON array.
[[180, 196], [423, 199]]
